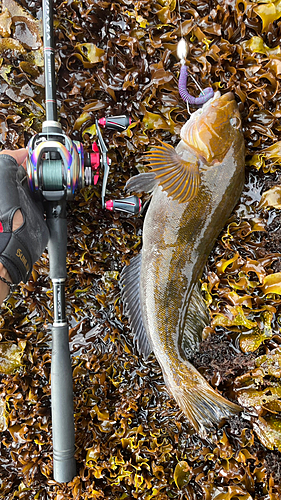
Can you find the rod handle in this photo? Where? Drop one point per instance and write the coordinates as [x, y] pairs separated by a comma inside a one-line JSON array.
[[64, 466], [57, 244]]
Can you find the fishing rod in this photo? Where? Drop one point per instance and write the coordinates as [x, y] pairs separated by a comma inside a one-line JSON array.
[[57, 167]]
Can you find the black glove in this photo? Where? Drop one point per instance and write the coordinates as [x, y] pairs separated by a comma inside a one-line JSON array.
[[21, 248]]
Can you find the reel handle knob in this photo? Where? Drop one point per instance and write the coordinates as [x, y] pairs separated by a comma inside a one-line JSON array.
[[119, 123], [130, 205]]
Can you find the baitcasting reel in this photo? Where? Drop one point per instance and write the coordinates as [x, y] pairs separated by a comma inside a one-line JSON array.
[[57, 166]]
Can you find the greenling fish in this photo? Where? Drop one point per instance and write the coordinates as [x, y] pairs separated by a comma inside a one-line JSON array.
[[195, 188]]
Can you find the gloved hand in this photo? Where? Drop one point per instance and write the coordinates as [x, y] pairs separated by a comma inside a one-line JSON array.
[[19, 249]]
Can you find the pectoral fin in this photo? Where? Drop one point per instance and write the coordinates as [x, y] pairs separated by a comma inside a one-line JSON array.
[[130, 293], [178, 177], [142, 183]]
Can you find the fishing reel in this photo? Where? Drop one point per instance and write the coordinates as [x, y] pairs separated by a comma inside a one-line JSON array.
[[58, 166]]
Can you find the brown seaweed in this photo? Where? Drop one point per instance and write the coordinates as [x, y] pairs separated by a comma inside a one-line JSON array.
[[131, 439]]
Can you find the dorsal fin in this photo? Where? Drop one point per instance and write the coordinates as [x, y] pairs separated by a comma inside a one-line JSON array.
[[178, 177], [130, 293], [195, 321]]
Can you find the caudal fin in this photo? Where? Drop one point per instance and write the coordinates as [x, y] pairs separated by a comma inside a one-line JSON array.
[[202, 405]]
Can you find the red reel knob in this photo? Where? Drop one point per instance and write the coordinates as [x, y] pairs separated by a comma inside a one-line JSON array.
[[130, 205]]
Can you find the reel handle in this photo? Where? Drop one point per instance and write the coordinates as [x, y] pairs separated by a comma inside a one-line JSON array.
[[130, 205], [119, 123]]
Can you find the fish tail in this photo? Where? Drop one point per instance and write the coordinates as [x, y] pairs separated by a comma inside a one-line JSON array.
[[202, 405]]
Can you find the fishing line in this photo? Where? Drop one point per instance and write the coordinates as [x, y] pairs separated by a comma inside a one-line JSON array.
[[179, 9], [182, 49], [183, 53]]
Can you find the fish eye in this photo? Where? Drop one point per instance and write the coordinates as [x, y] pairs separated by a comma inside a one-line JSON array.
[[235, 122]]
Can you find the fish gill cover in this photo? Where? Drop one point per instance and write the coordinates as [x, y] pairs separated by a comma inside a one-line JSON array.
[[132, 441]]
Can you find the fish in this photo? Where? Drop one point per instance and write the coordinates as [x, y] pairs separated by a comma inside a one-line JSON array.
[[195, 188]]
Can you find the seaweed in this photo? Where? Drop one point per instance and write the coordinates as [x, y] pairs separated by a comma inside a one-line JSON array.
[[132, 441]]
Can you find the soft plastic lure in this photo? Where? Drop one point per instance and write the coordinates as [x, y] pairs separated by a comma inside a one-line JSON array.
[[205, 94]]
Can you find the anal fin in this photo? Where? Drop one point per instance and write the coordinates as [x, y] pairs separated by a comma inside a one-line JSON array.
[[130, 293]]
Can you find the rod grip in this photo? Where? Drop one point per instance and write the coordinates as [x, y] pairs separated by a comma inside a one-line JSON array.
[[57, 244], [62, 406]]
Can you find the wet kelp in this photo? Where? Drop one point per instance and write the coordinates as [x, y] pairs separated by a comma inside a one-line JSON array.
[[132, 440]]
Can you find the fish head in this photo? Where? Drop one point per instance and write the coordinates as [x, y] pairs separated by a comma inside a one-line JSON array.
[[211, 130]]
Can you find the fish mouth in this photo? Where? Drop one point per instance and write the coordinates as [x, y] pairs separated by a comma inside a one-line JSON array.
[[211, 130], [216, 100]]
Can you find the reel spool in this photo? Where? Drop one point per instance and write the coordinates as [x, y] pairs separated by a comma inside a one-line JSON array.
[[55, 165]]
